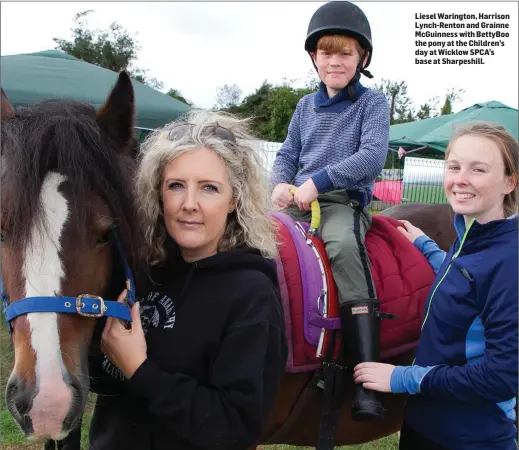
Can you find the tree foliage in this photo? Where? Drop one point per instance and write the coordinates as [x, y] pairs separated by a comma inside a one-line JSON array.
[[114, 49], [227, 96], [401, 105], [452, 96], [175, 93], [428, 109], [255, 105], [272, 106]]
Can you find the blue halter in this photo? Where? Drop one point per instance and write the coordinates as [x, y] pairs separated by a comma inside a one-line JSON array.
[[84, 305]]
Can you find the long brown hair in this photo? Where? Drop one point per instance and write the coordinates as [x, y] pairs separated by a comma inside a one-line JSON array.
[[509, 148]]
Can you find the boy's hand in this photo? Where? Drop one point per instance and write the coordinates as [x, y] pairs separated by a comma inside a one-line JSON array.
[[306, 194], [281, 196]]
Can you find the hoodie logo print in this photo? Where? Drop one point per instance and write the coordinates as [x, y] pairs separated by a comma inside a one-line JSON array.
[[157, 311]]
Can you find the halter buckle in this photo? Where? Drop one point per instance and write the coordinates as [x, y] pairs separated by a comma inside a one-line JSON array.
[[80, 305]]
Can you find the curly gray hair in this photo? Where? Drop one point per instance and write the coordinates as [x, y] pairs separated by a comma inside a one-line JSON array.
[[250, 224]]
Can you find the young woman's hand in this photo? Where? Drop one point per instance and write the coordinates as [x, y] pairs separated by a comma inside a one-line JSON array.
[[126, 349], [410, 231], [374, 376]]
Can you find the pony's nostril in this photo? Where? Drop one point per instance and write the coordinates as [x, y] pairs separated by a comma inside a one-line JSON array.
[[76, 385], [22, 400], [14, 395], [11, 388], [23, 404], [19, 402], [77, 405]]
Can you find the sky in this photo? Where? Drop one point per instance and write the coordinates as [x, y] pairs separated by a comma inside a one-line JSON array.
[[196, 47]]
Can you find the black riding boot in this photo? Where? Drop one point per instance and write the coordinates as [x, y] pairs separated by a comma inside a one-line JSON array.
[[360, 324]]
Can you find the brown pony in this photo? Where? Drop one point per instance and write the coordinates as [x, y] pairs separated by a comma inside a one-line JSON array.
[[67, 202], [297, 412], [66, 183]]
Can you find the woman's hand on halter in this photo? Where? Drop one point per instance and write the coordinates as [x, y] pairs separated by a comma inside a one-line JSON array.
[[410, 231], [374, 376], [126, 349]]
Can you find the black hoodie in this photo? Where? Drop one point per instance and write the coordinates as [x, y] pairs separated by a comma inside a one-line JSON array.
[[216, 352]]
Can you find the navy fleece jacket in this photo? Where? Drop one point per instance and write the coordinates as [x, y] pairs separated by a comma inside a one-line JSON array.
[[466, 373]]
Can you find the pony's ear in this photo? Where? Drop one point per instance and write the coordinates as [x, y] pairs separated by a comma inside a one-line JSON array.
[[116, 116], [7, 110]]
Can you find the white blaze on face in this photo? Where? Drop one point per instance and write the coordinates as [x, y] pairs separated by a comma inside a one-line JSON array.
[[43, 273]]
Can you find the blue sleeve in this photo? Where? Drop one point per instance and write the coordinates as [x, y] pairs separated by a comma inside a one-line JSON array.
[[367, 163], [434, 254], [286, 163], [407, 379], [495, 377]]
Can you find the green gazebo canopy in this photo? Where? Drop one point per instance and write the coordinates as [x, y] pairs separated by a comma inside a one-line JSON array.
[[33, 77], [435, 133]]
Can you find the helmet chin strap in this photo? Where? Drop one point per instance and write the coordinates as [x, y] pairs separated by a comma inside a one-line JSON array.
[[360, 70], [366, 73]]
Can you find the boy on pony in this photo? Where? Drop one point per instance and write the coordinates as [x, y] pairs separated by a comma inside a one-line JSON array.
[[336, 147]]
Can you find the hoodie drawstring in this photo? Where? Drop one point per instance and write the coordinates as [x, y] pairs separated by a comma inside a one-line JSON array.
[[188, 279]]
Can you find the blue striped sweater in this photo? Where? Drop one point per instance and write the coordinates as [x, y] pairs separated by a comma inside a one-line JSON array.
[[338, 142]]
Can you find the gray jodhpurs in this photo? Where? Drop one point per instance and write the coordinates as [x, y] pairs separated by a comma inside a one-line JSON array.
[[343, 229]]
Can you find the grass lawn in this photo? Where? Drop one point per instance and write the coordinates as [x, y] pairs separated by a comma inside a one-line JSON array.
[[11, 438]]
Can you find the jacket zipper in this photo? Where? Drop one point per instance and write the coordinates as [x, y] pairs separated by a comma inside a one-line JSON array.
[[445, 274]]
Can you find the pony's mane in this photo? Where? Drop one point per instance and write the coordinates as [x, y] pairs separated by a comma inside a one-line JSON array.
[[64, 136]]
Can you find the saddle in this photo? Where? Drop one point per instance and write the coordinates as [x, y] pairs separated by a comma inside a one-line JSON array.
[[401, 274]]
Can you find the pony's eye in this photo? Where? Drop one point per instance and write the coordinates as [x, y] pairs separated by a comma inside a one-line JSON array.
[[105, 238], [2, 238]]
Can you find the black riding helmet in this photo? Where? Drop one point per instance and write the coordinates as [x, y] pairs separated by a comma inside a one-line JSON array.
[[340, 17]]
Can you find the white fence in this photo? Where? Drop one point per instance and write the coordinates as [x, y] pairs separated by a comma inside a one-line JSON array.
[[423, 171], [268, 152]]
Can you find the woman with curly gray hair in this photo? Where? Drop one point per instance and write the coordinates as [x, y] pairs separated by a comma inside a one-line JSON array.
[[214, 140], [201, 367]]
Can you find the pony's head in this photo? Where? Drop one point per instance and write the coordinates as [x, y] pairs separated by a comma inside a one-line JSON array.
[[66, 186]]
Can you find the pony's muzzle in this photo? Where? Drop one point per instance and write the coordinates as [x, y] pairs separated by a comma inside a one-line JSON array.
[[19, 401], [48, 413]]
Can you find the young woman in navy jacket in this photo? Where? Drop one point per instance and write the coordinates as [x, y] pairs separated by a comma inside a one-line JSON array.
[[463, 383]]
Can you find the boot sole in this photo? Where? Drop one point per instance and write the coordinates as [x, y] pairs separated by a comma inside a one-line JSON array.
[[374, 413]]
